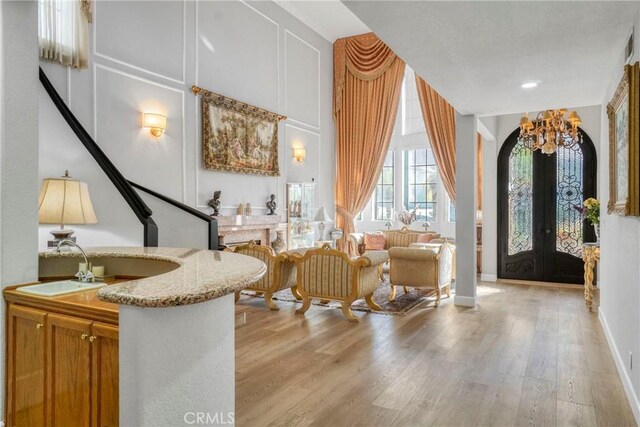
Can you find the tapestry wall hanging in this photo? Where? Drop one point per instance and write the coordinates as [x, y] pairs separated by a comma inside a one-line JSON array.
[[238, 137]]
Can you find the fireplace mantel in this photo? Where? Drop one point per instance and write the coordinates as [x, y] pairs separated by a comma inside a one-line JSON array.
[[235, 229]]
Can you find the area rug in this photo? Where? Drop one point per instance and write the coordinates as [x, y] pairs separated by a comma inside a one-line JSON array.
[[403, 303]]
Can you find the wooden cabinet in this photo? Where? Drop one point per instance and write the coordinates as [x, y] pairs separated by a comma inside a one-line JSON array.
[[26, 375], [62, 370], [104, 384]]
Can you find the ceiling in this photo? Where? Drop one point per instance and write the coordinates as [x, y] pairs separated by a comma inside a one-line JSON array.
[[329, 18], [477, 54]]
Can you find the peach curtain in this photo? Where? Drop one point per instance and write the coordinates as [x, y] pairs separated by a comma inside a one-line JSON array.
[[366, 89], [440, 121]]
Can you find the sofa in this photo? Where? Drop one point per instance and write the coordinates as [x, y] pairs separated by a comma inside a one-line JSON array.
[[393, 238], [329, 274]]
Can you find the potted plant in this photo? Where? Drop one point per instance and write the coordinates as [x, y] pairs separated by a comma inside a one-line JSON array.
[[590, 210]]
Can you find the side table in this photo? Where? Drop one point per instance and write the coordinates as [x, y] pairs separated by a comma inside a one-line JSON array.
[[590, 256]]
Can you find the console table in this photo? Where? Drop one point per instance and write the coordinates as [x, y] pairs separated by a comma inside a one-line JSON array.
[[590, 256]]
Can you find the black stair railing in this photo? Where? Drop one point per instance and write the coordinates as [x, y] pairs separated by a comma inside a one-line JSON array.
[[212, 221]]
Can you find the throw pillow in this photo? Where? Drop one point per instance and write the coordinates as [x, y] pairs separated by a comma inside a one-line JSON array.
[[425, 238], [374, 241]]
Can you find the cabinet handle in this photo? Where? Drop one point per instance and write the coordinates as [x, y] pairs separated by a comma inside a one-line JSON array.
[[92, 338], [83, 336], [39, 325]]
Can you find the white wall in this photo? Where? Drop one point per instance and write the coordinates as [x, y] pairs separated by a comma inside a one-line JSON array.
[[144, 58], [409, 133], [18, 150], [503, 126], [620, 264]]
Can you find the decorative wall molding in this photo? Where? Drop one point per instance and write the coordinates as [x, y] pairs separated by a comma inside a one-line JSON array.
[[198, 115], [97, 66], [97, 54], [318, 107]]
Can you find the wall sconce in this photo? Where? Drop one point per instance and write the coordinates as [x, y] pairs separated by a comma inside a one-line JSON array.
[[157, 123], [299, 154]]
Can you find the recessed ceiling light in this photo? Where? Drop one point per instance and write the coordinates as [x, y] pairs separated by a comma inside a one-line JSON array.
[[529, 85]]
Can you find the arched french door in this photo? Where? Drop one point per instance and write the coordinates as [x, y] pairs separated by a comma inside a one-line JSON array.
[[540, 233]]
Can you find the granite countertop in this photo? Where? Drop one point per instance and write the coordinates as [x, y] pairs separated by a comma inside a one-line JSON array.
[[202, 275]]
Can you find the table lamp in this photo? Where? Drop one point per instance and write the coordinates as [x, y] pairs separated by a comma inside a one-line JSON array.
[[64, 201], [322, 217]]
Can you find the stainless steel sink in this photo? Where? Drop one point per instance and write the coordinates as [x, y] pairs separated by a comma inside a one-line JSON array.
[[52, 289]]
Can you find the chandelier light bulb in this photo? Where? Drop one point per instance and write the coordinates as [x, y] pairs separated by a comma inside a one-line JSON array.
[[550, 130]]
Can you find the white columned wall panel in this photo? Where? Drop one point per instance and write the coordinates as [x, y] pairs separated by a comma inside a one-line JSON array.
[[301, 138], [155, 162], [489, 211], [145, 35], [302, 76], [466, 204]]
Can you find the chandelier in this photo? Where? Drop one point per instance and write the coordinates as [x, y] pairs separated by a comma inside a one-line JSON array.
[[550, 130]]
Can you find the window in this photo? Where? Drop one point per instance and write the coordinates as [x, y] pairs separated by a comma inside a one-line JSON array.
[[421, 183], [383, 206], [452, 211], [63, 31]]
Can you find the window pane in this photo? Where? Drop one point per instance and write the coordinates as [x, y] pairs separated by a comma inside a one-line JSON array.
[[421, 183], [452, 211], [383, 197]]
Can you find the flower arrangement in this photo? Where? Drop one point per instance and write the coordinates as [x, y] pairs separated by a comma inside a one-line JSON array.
[[590, 209], [405, 216]]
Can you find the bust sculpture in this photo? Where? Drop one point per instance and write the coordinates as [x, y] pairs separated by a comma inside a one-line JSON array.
[[215, 203], [271, 205]]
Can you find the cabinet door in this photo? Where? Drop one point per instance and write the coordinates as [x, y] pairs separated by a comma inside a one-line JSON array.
[[69, 374], [104, 380], [26, 369]]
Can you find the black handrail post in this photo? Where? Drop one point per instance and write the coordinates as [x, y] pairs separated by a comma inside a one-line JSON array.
[[213, 234], [150, 233]]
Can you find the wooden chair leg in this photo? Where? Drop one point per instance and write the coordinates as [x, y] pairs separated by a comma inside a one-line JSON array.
[[296, 293], [438, 295], [372, 304], [392, 293], [237, 296], [269, 301], [405, 289], [306, 303], [448, 290], [346, 310]]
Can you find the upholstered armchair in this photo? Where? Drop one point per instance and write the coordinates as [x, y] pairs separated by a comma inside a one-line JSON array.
[[427, 267], [328, 274], [281, 273]]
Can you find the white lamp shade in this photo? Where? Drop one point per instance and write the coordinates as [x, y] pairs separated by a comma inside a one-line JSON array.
[[65, 201], [152, 120], [322, 216]]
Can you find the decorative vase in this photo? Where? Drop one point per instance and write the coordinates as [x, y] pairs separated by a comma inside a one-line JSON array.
[[596, 229], [279, 244]]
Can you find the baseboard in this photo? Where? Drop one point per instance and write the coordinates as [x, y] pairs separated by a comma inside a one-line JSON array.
[[464, 301], [489, 277], [626, 381]]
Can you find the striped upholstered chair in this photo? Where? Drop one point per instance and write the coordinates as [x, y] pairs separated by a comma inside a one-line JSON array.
[[328, 274], [281, 273]]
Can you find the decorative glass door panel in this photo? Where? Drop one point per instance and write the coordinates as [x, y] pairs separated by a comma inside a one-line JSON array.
[[520, 200], [569, 194], [540, 232]]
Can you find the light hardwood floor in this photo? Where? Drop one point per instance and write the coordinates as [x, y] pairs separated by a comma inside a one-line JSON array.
[[524, 356]]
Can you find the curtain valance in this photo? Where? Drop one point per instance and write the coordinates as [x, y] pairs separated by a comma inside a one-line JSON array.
[[365, 56]]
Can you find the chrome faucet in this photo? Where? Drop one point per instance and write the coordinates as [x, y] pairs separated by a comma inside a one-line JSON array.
[[83, 276]]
